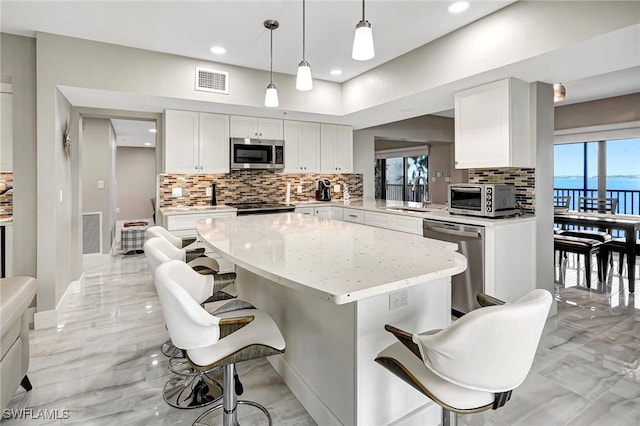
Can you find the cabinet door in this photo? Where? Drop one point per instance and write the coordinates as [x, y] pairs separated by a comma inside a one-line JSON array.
[[213, 146], [492, 126], [181, 142], [292, 146], [309, 155], [6, 137], [328, 137], [344, 149], [323, 212], [269, 128], [243, 127]]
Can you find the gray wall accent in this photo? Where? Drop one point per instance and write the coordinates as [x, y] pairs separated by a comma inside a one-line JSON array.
[[97, 165], [541, 96], [620, 109], [18, 60], [136, 182]]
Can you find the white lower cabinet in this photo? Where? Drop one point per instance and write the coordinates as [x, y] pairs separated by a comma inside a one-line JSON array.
[[353, 215], [324, 212], [305, 210], [184, 225], [411, 225]]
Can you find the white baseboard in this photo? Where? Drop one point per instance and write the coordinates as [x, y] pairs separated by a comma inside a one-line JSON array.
[[49, 319], [307, 397]]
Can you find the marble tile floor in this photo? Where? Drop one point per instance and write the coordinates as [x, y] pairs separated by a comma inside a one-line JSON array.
[[103, 364]]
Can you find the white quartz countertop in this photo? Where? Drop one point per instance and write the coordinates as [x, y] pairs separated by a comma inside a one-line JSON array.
[[337, 261], [196, 209], [433, 211]]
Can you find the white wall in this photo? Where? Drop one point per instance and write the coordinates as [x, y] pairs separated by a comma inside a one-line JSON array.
[[136, 182]]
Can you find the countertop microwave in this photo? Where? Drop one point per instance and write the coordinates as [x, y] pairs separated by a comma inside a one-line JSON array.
[[480, 199], [249, 153]]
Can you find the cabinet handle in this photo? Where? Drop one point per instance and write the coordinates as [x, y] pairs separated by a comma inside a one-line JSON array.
[[196, 167], [300, 167], [353, 215]]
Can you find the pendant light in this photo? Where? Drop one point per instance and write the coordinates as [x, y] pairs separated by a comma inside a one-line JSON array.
[[271, 96], [303, 79], [363, 40]]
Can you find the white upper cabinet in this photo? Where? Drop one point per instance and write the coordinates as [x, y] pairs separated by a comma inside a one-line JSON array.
[[196, 142], [336, 148], [301, 147], [254, 127], [492, 126], [214, 143]]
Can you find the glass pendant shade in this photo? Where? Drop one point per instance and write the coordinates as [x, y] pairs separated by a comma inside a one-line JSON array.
[[271, 97], [303, 79], [363, 42]]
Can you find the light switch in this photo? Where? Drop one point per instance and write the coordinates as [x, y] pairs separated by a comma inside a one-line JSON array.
[[176, 192], [207, 191], [299, 189], [100, 184], [447, 178]]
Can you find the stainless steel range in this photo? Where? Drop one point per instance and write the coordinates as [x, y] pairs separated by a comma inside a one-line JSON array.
[[261, 207]]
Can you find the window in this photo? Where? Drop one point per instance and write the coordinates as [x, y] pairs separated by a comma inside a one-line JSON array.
[[395, 178], [576, 172]]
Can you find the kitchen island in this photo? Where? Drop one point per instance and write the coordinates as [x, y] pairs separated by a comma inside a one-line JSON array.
[[331, 286]]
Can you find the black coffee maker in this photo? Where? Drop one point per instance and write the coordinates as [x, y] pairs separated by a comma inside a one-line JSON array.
[[323, 190]]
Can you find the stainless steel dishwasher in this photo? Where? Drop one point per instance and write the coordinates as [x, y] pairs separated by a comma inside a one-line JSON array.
[[470, 239]]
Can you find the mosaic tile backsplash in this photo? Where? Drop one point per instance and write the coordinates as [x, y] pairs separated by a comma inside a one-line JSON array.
[[524, 180], [249, 185], [6, 199]]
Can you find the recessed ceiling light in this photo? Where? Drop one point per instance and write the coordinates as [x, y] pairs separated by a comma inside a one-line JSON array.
[[335, 72], [458, 7], [218, 50], [152, 130], [147, 144]]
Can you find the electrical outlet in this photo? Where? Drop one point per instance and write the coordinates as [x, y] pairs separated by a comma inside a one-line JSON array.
[[398, 299], [299, 190], [207, 191], [447, 178], [336, 187], [176, 192]]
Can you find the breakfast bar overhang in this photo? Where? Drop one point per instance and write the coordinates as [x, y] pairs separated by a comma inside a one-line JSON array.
[[331, 286]]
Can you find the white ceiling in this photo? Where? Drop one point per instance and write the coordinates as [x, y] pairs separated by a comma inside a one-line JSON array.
[[190, 28], [134, 133]]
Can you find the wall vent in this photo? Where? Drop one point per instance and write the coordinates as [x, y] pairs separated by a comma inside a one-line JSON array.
[[91, 232], [209, 80]]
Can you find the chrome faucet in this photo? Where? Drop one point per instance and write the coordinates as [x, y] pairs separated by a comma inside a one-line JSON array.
[[425, 192]]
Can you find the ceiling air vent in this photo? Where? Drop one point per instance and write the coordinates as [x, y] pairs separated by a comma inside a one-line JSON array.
[[212, 80]]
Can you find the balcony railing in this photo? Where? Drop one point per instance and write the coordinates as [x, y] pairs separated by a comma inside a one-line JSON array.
[[628, 199], [394, 192]]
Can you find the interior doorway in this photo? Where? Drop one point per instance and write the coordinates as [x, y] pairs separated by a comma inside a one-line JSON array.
[[118, 173]]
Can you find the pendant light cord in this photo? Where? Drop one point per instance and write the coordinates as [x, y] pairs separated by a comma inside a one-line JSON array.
[[362, 10], [303, 30], [271, 55]]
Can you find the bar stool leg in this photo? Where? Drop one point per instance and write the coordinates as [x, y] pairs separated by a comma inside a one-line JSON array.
[[449, 418]]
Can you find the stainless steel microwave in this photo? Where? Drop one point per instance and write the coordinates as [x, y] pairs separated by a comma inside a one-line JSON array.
[[256, 154], [486, 200]]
